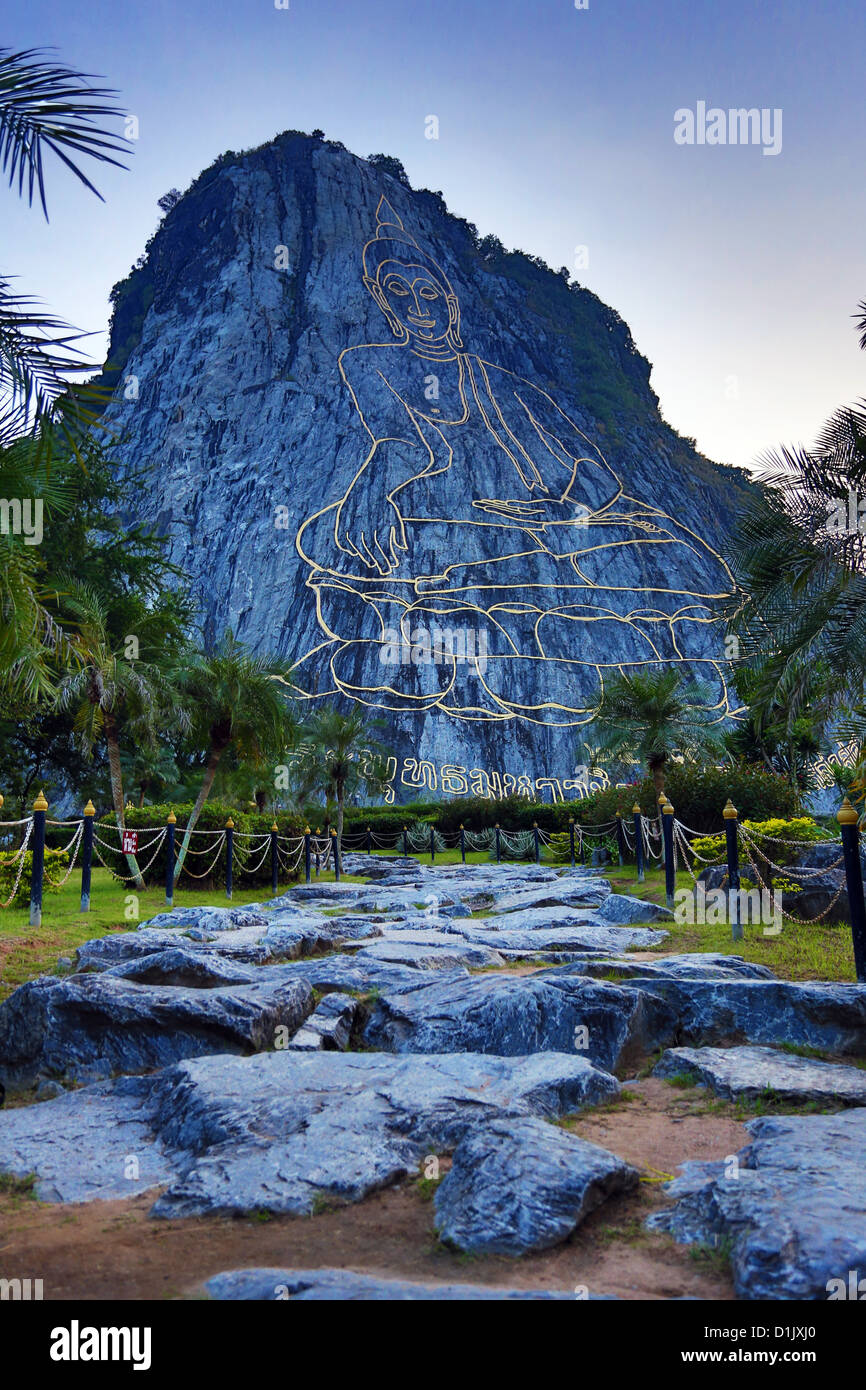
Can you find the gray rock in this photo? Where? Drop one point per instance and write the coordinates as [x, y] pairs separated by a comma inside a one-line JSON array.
[[538, 940], [185, 969], [622, 910], [446, 953], [329, 1026], [211, 919], [746, 1073], [514, 1188], [311, 1285], [694, 966], [278, 1130], [95, 1143], [570, 891], [340, 1124], [49, 1090], [70, 1026], [829, 1017], [795, 1214], [511, 1016]]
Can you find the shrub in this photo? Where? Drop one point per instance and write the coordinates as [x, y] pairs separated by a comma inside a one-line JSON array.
[[712, 849], [56, 864]]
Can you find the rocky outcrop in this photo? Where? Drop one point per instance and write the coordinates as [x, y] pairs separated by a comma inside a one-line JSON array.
[[792, 1210], [512, 1188], [282, 1131], [257, 351], [87, 1025], [511, 1016]]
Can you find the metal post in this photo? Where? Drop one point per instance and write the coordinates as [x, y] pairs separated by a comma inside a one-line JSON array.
[[638, 841], [668, 837], [462, 843], [498, 845], [847, 818], [571, 839], [432, 844], [307, 854], [369, 840], [730, 815], [335, 855], [537, 844], [40, 806], [230, 854], [620, 839], [405, 843], [87, 855], [171, 822], [318, 857], [662, 802], [275, 861]]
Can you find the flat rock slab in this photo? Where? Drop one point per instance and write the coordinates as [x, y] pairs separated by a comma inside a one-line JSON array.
[[311, 1285], [517, 1187], [211, 919], [443, 953], [691, 966], [541, 939], [567, 892], [514, 1015], [279, 1130], [795, 1213], [96, 1143], [92, 1024], [746, 1073]]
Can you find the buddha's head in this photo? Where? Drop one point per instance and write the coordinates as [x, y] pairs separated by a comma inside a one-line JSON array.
[[409, 287]]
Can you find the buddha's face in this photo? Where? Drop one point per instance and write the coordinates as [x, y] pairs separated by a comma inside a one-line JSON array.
[[411, 295]]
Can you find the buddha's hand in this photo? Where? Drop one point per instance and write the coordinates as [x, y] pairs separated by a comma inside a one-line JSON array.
[[535, 512], [369, 527]]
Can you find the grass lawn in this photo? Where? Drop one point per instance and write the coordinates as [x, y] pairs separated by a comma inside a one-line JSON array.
[[26, 951], [798, 953], [804, 952]]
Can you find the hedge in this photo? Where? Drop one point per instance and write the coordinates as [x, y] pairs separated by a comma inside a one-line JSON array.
[[698, 795]]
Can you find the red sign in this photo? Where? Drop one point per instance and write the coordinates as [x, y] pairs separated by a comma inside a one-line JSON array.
[[130, 841]]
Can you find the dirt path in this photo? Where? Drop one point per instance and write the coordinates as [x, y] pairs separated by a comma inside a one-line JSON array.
[[103, 1250]]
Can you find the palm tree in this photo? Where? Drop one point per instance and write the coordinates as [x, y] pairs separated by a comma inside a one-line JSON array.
[[45, 107], [107, 691], [651, 716], [151, 765], [31, 640], [235, 701], [800, 560], [341, 758]]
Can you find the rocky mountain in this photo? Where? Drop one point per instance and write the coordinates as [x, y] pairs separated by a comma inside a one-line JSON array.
[[432, 470]]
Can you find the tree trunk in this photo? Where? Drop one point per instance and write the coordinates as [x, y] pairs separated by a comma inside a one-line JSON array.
[[216, 753], [116, 775], [340, 795], [657, 771]]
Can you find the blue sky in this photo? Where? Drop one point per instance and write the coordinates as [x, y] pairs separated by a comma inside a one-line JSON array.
[[737, 272]]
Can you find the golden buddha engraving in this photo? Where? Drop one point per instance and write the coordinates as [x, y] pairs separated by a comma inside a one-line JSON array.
[[479, 505]]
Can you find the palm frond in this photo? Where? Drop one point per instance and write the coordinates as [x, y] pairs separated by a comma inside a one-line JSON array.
[[45, 106]]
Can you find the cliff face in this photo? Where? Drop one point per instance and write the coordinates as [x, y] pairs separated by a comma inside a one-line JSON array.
[[426, 468]]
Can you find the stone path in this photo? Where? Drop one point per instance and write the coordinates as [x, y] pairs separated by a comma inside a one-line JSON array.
[[334, 1041]]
